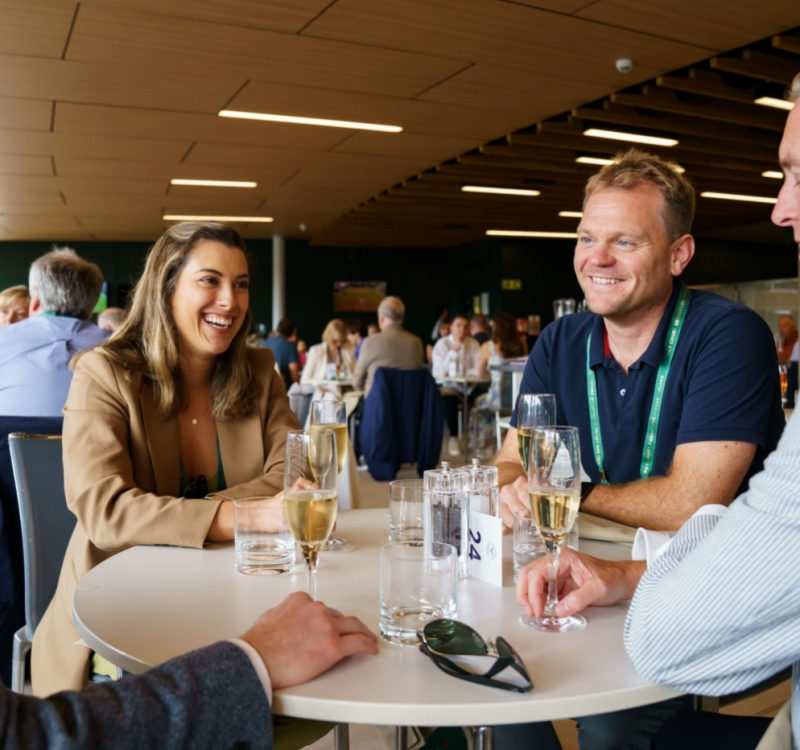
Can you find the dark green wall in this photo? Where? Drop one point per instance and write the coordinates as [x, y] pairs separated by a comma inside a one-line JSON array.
[[423, 278]]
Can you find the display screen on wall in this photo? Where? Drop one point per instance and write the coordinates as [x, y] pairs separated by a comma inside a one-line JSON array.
[[358, 296]]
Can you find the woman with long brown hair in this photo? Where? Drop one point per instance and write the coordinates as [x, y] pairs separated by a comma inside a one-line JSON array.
[[165, 425]]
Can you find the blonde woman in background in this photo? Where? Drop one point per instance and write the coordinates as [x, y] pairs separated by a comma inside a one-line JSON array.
[[14, 303], [334, 350]]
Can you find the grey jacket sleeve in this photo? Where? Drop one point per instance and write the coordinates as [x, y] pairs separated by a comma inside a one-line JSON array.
[[210, 698], [720, 610]]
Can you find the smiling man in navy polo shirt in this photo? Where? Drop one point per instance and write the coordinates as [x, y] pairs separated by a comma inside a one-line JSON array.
[[720, 412], [675, 392]]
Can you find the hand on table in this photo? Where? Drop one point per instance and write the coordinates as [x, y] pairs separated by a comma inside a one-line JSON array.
[[582, 581], [514, 497], [300, 639]]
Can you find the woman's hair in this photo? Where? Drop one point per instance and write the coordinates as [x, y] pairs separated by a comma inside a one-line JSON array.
[[148, 341], [335, 333], [505, 336], [8, 296]]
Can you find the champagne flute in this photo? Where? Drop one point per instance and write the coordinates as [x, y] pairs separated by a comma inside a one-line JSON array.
[[554, 488], [310, 494], [332, 415], [535, 410]]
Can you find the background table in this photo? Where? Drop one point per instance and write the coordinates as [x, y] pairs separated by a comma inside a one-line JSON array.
[[148, 604]]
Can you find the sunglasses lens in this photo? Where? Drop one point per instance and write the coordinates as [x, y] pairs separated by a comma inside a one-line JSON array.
[[451, 637]]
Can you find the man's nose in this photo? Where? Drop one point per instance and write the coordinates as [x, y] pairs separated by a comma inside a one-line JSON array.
[[785, 212]]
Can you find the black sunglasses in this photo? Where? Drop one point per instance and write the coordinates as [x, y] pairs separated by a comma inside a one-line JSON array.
[[444, 638]]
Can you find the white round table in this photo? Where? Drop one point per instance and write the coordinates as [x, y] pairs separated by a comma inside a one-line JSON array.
[[149, 604]]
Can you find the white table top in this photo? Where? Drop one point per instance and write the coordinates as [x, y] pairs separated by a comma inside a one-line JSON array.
[[148, 604]]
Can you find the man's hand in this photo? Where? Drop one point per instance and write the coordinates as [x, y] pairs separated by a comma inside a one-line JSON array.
[[582, 581], [300, 639], [514, 497]]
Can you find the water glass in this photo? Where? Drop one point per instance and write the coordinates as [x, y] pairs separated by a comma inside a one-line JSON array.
[[528, 542], [264, 544], [417, 585], [405, 510]]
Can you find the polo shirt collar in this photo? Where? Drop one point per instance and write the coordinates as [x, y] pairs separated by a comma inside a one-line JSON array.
[[654, 353]]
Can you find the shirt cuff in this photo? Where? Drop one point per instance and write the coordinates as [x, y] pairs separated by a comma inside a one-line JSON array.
[[258, 665], [649, 545]]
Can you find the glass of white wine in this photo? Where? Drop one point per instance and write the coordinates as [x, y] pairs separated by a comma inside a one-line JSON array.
[[554, 488], [535, 410], [310, 494], [332, 415]]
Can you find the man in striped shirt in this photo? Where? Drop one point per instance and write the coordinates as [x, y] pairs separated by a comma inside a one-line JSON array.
[[716, 609]]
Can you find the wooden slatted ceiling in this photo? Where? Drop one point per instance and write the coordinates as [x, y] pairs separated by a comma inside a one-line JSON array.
[[102, 102]]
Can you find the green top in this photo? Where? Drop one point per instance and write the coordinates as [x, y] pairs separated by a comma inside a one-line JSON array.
[[202, 486]]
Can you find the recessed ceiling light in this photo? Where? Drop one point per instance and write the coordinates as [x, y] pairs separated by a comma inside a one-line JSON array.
[[773, 175], [594, 160], [180, 217], [310, 121], [571, 214], [735, 197], [514, 233], [632, 137], [770, 101], [499, 190], [214, 183]]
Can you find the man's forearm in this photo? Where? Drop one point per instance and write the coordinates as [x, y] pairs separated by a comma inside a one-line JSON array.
[[508, 472]]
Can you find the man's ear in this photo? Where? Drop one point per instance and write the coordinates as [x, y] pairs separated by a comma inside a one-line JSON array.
[[682, 253], [35, 306]]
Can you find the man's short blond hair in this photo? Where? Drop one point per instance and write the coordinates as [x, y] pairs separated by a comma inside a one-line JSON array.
[[635, 168]]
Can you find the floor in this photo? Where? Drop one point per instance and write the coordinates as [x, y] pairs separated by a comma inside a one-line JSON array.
[[364, 737]]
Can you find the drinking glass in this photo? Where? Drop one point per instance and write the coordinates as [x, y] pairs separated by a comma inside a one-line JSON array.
[[332, 415], [405, 510], [783, 371], [535, 410], [554, 488], [310, 494]]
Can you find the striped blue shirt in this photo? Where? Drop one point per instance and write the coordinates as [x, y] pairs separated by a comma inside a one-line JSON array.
[[719, 611]]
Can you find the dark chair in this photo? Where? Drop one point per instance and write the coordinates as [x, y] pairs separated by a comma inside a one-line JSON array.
[[12, 570], [47, 525], [402, 422]]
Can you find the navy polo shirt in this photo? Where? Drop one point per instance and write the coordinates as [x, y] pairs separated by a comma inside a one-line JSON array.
[[723, 385], [285, 352]]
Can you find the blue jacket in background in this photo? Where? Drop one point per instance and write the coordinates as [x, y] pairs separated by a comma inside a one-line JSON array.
[[402, 422]]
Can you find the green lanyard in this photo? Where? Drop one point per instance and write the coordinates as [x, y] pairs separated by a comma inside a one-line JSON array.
[[649, 449]]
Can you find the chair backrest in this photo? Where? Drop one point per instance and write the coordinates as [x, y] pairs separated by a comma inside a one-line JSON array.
[[47, 522]]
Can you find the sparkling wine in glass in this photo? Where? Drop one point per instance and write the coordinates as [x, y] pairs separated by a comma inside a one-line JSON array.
[[535, 410], [332, 415], [310, 494], [554, 488]]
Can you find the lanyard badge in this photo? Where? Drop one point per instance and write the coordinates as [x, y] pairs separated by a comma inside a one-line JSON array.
[[649, 448]]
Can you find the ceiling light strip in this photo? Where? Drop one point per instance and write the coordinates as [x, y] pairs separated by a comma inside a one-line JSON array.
[[614, 135], [181, 217], [770, 101], [571, 214], [515, 233], [310, 121], [773, 175], [214, 183], [499, 190], [594, 160], [736, 197]]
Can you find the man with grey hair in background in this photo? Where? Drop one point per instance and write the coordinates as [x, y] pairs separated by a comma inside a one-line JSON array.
[[392, 347], [34, 357]]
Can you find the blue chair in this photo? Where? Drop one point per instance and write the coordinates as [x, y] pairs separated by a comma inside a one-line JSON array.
[[12, 575], [402, 422], [47, 525]]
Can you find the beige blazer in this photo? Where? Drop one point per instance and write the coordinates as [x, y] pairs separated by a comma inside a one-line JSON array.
[[122, 479], [317, 361]]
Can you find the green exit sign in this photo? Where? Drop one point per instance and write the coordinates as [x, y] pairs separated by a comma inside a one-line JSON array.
[[511, 284]]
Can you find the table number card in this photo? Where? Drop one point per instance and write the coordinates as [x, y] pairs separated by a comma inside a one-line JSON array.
[[485, 550]]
